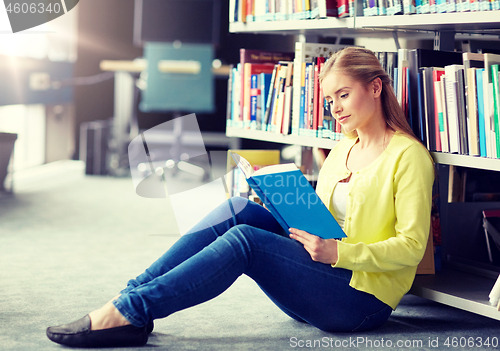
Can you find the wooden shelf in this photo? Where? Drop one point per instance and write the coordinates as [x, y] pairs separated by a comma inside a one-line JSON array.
[[458, 289]]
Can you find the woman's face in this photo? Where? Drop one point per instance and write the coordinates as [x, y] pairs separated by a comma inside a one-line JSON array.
[[352, 104]]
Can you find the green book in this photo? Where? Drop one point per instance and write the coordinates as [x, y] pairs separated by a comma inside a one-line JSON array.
[[496, 105]]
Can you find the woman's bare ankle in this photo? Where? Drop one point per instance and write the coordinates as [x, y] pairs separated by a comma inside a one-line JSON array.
[[107, 317]]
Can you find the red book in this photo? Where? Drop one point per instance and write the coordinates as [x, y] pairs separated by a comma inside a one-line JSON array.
[[249, 70], [317, 104], [436, 76], [321, 116], [261, 57], [343, 8]]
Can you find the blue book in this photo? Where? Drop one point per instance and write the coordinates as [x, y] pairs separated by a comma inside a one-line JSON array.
[[304, 112], [395, 80], [254, 95], [421, 107], [480, 112], [266, 117], [291, 199], [302, 105], [265, 84], [441, 6]]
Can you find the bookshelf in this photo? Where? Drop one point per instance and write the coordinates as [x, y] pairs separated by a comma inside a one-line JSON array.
[[481, 22], [458, 285]]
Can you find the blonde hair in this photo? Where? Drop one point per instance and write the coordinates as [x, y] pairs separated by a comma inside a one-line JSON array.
[[363, 66]]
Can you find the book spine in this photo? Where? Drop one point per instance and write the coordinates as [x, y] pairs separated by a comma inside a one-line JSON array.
[[302, 99], [245, 76], [279, 117], [451, 6], [254, 97], [229, 106], [421, 107], [287, 110], [432, 6], [462, 113], [425, 6], [236, 115], [315, 124], [305, 118], [264, 95], [480, 112], [439, 115], [321, 104], [310, 102], [343, 8], [452, 109], [487, 113], [441, 6], [409, 7], [446, 135], [496, 106], [297, 80], [277, 113], [491, 110], [232, 11], [270, 98], [472, 112]]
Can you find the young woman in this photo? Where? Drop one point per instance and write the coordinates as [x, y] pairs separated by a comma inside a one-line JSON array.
[[377, 183]]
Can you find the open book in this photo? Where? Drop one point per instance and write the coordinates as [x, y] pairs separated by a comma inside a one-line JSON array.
[[290, 198]]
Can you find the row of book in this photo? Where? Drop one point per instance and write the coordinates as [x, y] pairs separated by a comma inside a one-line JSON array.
[[280, 10], [280, 92], [406, 7], [453, 100]]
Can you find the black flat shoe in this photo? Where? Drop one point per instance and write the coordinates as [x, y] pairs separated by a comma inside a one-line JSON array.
[[78, 334], [149, 327]]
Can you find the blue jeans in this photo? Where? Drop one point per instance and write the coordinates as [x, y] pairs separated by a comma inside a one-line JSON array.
[[205, 262]]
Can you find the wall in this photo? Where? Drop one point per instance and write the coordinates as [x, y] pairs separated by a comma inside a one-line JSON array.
[[104, 33]]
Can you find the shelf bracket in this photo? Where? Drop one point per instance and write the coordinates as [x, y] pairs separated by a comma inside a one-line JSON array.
[[307, 38], [396, 40], [444, 41]]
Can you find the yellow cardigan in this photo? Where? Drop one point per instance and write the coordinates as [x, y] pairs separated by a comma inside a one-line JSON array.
[[388, 212]]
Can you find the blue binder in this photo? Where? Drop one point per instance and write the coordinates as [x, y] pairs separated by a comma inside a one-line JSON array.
[[178, 90]]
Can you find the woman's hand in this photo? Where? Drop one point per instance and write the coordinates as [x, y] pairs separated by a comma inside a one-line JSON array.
[[321, 250]]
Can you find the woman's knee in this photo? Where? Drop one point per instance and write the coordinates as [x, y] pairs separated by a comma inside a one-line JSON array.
[[243, 236], [243, 207]]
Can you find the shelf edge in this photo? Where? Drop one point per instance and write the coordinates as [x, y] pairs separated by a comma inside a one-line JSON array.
[[280, 138]]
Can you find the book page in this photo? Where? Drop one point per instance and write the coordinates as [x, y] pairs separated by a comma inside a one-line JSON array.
[[243, 165], [285, 167]]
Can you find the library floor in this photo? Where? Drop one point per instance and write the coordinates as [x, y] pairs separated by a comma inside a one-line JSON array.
[[70, 242]]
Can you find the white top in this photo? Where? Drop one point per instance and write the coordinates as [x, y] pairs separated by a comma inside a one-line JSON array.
[[339, 202]]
